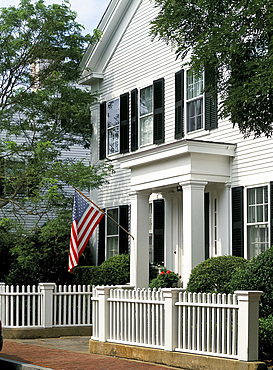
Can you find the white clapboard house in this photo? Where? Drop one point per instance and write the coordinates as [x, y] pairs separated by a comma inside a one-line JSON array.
[[187, 185]]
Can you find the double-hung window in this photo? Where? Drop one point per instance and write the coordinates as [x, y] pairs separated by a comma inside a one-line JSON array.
[[194, 101], [113, 124], [112, 233], [146, 115], [195, 108], [257, 221]]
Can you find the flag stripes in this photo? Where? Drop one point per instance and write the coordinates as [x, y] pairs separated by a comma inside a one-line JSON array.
[[85, 219]]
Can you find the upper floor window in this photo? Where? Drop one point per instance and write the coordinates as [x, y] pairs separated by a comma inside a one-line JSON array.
[[146, 115], [194, 101], [195, 108], [113, 122]]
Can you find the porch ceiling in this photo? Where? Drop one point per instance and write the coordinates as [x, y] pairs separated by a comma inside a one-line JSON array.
[[170, 164]]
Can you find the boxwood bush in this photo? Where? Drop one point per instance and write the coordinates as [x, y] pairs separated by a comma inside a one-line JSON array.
[[258, 275], [114, 271], [214, 274]]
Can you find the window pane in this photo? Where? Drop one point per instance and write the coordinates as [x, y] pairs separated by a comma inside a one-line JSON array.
[[146, 100], [251, 214], [113, 113], [194, 85], [195, 115], [259, 195], [146, 130], [257, 240], [112, 227], [113, 140], [112, 247], [251, 196]]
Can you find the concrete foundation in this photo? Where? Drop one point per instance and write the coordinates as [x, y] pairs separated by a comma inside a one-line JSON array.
[[176, 359]]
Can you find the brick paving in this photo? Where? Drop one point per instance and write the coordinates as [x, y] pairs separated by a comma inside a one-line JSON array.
[[67, 354]]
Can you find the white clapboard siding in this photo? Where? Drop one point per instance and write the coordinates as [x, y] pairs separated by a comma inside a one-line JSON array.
[[138, 60]]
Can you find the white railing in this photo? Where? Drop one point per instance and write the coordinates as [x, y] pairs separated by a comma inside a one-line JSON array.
[[171, 319], [208, 324], [45, 306]]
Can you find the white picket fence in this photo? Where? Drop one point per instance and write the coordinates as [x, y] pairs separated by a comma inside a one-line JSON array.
[[171, 319], [45, 306]]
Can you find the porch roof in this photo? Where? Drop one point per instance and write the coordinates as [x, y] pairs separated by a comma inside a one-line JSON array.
[[170, 164]]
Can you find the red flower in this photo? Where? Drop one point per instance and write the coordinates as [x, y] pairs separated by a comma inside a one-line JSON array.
[[180, 276], [162, 272], [168, 272]]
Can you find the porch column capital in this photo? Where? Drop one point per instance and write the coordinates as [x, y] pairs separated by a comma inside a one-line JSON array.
[[193, 184]]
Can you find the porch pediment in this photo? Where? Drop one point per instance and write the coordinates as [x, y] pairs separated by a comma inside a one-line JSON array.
[[185, 160]]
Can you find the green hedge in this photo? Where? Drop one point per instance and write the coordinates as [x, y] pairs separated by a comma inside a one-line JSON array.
[[114, 271], [214, 274]]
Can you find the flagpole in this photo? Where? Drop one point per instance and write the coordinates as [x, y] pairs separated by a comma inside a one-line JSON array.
[[104, 212]]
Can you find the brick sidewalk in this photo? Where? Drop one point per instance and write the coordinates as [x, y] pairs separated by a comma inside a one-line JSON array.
[[41, 353]]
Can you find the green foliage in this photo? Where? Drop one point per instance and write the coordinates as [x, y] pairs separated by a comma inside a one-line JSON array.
[[42, 255], [258, 275], [233, 40], [214, 274], [114, 271], [266, 337], [166, 279], [86, 274], [43, 112]]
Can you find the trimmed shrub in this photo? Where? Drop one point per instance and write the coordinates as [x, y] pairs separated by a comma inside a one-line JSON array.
[[115, 271], [166, 279], [214, 274], [258, 275], [266, 337]]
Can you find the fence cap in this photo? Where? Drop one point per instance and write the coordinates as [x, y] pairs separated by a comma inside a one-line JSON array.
[[248, 295]]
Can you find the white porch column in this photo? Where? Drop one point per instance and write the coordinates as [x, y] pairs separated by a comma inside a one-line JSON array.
[[193, 226], [139, 253]]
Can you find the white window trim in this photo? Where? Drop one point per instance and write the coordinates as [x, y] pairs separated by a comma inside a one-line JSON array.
[[246, 188], [106, 232], [107, 129], [146, 115], [190, 100]]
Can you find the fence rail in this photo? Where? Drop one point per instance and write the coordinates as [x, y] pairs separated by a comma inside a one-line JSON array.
[[171, 319], [45, 305]]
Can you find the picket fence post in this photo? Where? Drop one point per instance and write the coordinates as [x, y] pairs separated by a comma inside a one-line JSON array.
[[47, 290], [2, 303], [248, 324], [170, 296], [103, 293]]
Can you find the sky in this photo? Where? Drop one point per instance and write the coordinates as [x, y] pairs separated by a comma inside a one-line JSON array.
[[89, 11]]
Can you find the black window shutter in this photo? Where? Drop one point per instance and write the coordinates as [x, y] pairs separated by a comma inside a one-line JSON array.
[[134, 119], [206, 208], [124, 123], [158, 102], [238, 221], [101, 246], [124, 222], [271, 214], [158, 231], [102, 130], [179, 104], [211, 121]]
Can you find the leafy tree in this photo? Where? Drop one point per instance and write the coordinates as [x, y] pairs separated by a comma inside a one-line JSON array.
[[41, 255], [231, 40], [43, 112]]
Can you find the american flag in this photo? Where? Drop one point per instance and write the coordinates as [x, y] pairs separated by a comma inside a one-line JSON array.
[[86, 217]]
